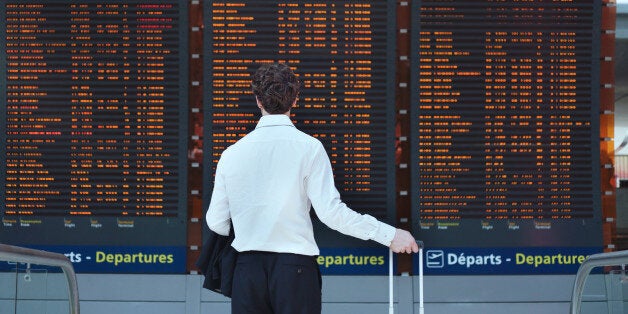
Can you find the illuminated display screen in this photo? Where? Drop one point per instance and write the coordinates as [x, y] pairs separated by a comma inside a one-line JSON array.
[[342, 52], [93, 121], [506, 123]]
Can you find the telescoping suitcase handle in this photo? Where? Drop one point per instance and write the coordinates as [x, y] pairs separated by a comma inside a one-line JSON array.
[[421, 309], [391, 309]]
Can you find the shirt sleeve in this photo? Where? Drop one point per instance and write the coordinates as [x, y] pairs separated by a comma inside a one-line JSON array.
[[322, 192], [218, 217]]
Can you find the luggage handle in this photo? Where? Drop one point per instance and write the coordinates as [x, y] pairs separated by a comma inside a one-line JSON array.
[[391, 308], [421, 309]]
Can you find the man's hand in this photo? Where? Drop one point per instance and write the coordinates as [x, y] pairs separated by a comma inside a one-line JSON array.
[[404, 242]]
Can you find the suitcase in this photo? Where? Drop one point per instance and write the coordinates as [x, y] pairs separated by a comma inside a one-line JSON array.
[[391, 309]]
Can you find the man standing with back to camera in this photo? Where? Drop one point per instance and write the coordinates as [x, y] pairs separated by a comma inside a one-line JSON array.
[[265, 185]]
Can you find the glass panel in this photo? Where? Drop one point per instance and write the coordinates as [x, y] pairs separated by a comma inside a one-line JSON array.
[[594, 295], [606, 292], [618, 291], [40, 289], [8, 275], [31, 285]]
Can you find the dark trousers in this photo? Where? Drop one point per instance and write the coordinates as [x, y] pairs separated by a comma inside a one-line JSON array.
[[276, 283]]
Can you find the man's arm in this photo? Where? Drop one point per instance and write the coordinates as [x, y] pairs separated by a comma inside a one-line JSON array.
[[218, 217], [322, 192]]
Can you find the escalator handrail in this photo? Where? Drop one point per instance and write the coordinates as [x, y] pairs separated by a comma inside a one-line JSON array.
[[17, 254], [595, 260]]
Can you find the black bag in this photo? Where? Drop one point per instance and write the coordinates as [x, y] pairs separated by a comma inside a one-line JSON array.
[[217, 262]]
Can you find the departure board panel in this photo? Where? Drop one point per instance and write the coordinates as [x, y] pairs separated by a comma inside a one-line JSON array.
[[342, 52], [506, 123], [94, 121]]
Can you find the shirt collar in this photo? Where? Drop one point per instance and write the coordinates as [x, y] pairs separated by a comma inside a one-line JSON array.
[[274, 120]]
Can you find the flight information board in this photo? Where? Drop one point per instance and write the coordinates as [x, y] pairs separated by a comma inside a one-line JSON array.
[[342, 52], [506, 125], [94, 125]]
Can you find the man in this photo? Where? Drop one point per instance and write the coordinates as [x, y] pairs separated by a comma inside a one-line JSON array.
[[265, 185]]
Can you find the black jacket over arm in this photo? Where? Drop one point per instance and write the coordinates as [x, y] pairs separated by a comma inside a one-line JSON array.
[[217, 262]]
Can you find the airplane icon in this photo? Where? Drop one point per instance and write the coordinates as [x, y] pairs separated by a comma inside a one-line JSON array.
[[435, 259]]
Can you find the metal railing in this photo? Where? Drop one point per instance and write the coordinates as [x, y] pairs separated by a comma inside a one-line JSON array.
[[16, 254], [595, 260]]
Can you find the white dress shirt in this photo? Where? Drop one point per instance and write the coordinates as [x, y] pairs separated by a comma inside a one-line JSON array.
[[266, 184]]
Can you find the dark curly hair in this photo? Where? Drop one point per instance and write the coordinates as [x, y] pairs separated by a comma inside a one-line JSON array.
[[276, 87]]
